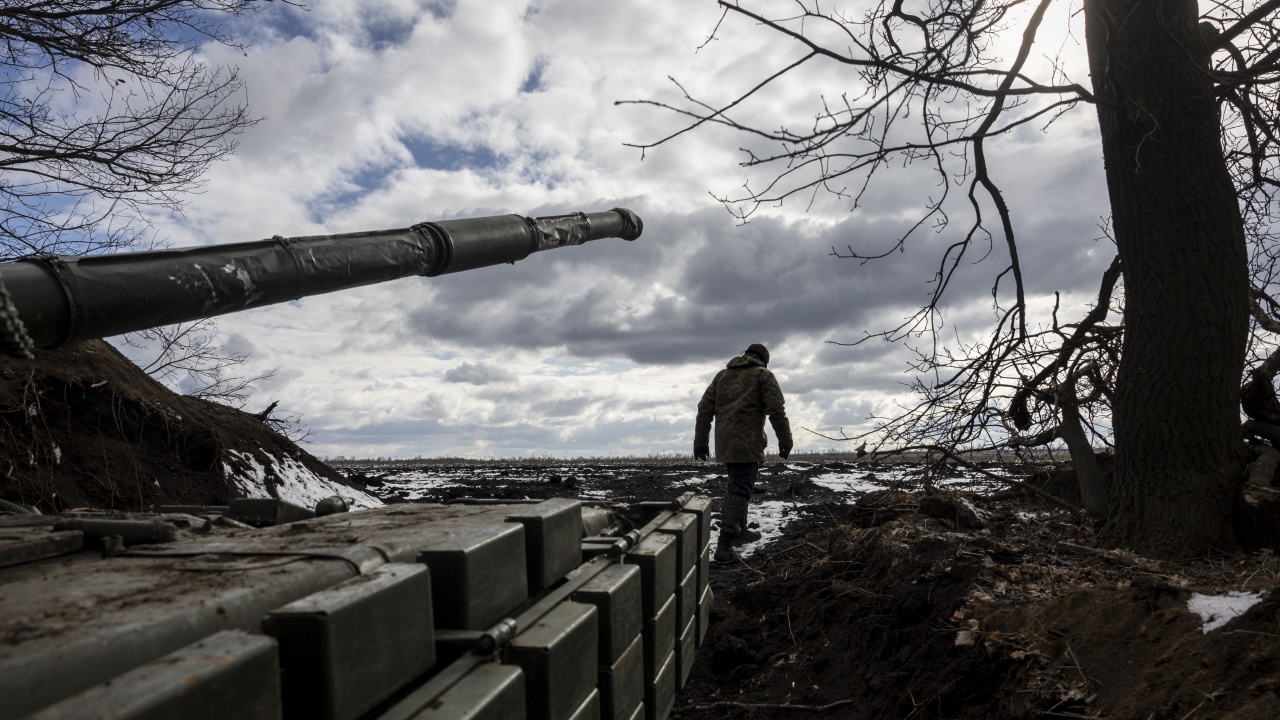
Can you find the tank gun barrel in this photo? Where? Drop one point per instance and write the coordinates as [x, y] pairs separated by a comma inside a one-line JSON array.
[[61, 300]]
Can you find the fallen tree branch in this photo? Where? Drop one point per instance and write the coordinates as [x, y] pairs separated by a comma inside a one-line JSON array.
[[1263, 469], [1119, 557], [1266, 431], [1075, 514], [1018, 410], [772, 706], [266, 414], [953, 455]]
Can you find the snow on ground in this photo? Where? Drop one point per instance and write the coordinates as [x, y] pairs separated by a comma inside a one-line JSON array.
[[294, 482], [596, 483], [857, 482], [866, 480], [417, 483], [772, 516], [696, 480], [1218, 610]]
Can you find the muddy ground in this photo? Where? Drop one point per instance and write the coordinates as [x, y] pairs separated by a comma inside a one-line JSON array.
[[83, 427], [866, 606]]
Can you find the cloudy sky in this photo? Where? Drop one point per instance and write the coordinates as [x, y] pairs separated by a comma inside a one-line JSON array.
[[383, 113]]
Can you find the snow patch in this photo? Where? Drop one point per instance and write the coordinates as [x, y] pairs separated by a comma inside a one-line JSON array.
[[416, 483], [695, 480], [849, 482], [1217, 610], [772, 516], [251, 480], [294, 482]]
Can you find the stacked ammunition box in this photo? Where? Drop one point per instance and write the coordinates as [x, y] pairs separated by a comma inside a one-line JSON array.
[[407, 611]]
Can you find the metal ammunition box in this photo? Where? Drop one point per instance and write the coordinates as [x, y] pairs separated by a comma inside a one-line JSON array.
[[589, 709], [686, 651], [478, 576], [228, 675], [649, 509], [660, 695], [700, 506], [558, 655], [704, 569], [704, 614], [616, 594], [684, 528], [656, 557], [261, 512], [552, 539], [659, 638], [592, 550], [488, 692], [687, 598], [621, 685], [639, 713], [345, 649], [101, 632]]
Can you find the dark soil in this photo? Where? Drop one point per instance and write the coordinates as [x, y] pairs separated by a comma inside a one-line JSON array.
[[82, 427], [878, 611]]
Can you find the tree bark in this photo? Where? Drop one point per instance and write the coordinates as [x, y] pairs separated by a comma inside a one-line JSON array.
[[1179, 457]]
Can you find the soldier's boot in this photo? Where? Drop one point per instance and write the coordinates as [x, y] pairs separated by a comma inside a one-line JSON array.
[[724, 553], [733, 522], [736, 512]]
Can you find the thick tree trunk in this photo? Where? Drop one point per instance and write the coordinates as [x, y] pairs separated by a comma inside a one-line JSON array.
[[1179, 456]]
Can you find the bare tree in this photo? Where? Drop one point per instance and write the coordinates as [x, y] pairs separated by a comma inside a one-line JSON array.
[[105, 112], [187, 357], [1186, 105]]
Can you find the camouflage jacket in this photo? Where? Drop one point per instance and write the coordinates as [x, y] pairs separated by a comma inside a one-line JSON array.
[[739, 399]]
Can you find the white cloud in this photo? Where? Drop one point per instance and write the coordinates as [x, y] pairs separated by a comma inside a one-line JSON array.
[[383, 114]]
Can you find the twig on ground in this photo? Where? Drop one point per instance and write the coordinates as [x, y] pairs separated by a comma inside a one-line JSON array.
[[789, 632], [1120, 557], [772, 706], [1075, 514]]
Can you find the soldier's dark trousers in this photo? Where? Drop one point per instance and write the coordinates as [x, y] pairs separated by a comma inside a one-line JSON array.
[[733, 514]]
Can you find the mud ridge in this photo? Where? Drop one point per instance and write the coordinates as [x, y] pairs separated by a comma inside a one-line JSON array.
[[82, 427]]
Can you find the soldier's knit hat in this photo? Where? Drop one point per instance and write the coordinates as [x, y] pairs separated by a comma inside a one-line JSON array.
[[759, 351]]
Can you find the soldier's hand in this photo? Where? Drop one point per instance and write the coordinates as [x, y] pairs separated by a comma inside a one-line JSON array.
[[783, 452], [701, 452]]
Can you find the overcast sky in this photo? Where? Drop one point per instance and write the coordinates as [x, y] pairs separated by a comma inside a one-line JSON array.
[[383, 113]]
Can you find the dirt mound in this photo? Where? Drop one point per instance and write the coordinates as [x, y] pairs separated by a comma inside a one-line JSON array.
[[877, 610], [84, 427]]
